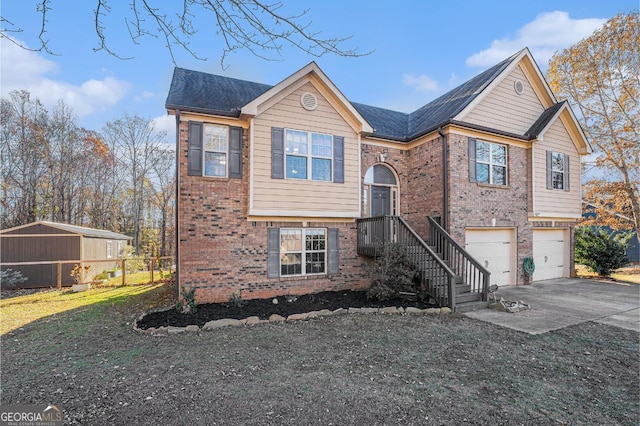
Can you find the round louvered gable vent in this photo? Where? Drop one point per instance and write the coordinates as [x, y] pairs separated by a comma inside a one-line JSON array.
[[309, 101], [518, 86]]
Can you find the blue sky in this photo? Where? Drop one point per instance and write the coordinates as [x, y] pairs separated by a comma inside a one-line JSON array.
[[420, 50]]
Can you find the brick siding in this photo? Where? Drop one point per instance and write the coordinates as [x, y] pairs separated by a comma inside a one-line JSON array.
[[221, 253]]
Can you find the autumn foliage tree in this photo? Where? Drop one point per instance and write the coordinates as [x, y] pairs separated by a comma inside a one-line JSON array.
[[600, 77]]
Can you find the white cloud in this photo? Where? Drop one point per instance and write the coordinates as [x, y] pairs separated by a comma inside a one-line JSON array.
[[549, 32], [23, 69], [167, 124], [144, 95], [422, 82]]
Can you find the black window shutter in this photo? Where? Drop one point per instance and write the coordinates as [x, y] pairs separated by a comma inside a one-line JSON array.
[[273, 250], [194, 153], [334, 250], [338, 159], [277, 153], [566, 173], [235, 152], [472, 160], [549, 170]]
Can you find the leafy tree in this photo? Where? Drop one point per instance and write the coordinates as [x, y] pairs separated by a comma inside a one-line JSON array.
[[601, 251], [251, 25], [599, 77]]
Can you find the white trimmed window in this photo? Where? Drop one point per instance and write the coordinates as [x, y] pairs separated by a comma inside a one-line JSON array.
[[308, 155], [491, 163], [303, 251], [559, 171], [109, 250], [215, 142]]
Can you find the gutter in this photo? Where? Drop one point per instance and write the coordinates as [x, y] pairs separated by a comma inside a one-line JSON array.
[[235, 112], [445, 181]]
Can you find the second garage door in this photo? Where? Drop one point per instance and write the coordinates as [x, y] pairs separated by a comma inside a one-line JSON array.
[[495, 250], [549, 254]]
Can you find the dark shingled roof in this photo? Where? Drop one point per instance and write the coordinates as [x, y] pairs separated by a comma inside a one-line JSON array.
[[201, 92], [192, 91], [543, 120]]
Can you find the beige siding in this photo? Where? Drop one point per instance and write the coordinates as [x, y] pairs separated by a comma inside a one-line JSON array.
[[284, 196], [504, 109], [556, 202]]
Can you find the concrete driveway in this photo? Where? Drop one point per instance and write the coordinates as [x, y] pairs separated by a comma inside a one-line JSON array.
[[559, 303]]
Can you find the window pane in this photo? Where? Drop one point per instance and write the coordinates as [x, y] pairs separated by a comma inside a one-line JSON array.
[[215, 138], [557, 178], [215, 164], [321, 145], [315, 263], [482, 172], [482, 151], [296, 167], [315, 240], [291, 264], [499, 175], [290, 240], [498, 154], [381, 174], [557, 162], [320, 169], [296, 142]]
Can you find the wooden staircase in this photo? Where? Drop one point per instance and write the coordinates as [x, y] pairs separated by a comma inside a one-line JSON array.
[[450, 275]]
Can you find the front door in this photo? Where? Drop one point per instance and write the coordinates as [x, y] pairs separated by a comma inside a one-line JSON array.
[[380, 200]]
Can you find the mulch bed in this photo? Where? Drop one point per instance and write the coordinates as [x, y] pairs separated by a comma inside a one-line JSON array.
[[263, 308]]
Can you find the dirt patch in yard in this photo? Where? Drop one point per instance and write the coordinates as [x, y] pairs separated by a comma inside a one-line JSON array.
[[345, 369], [263, 308]]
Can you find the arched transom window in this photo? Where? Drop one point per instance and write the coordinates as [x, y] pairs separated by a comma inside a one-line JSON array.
[[380, 192]]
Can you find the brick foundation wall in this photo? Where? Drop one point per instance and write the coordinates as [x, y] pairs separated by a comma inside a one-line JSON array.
[[221, 253]]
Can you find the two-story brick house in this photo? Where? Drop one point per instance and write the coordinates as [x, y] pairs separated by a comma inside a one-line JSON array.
[[278, 186]]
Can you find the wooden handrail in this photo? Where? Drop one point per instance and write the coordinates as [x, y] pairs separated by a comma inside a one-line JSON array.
[[375, 232], [476, 276]]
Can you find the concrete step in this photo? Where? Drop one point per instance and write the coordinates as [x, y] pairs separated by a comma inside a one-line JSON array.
[[471, 306]]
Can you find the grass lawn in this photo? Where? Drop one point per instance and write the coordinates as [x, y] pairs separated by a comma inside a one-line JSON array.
[[48, 305], [629, 274], [84, 357]]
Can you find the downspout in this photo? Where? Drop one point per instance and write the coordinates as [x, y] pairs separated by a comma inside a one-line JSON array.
[[445, 181], [176, 223]]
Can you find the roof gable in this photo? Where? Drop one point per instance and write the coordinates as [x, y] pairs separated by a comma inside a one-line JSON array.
[[560, 111], [310, 72]]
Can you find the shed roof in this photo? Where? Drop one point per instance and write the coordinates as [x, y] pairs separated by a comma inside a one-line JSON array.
[[87, 232]]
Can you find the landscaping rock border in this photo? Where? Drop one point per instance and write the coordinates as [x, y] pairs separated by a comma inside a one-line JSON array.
[[251, 321]]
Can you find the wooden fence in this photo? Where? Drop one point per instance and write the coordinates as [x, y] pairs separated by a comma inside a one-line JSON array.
[[148, 265]]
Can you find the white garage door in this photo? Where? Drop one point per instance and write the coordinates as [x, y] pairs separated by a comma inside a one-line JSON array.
[[549, 254], [495, 250]]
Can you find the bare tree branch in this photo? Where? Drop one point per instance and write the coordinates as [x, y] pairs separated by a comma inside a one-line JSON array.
[[261, 28]]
